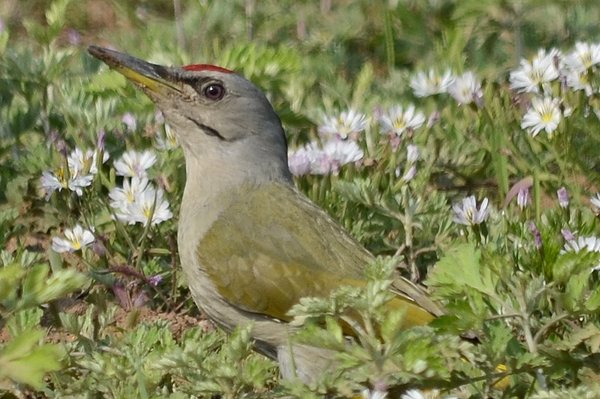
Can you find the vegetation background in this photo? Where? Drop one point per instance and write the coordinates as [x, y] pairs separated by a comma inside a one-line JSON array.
[[111, 316]]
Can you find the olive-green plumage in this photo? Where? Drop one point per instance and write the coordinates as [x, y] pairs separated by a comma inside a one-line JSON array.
[[250, 244], [275, 231]]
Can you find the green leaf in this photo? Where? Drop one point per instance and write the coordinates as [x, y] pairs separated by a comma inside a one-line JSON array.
[[392, 325], [460, 269], [570, 263], [60, 284], [24, 360], [593, 301], [574, 290], [9, 277]]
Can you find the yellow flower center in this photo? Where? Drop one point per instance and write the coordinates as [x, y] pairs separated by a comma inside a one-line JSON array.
[[547, 116]]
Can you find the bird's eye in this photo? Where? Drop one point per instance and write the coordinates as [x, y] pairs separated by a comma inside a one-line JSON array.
[[214, 91]]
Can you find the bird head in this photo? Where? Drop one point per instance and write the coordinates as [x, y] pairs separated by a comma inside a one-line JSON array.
[[217, 114]]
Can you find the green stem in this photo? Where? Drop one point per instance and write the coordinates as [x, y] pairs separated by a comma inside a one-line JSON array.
[[143, 239], [389, 40]]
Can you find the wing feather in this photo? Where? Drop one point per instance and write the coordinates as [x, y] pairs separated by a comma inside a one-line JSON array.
[[275, 231]]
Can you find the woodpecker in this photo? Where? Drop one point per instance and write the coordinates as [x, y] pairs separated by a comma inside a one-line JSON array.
[[251, 245]]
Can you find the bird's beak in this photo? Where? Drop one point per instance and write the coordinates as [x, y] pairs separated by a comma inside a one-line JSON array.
[[154, 79]]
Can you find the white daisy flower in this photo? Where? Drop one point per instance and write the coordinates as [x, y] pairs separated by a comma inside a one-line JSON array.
[[134, 163], [81, 170], [589, 244], [78, 183], [76, 238], [340, 153], [332, 156], [466, 89], [56, 181], [346, 125], [150, 205], [122, 198], [466, 212], [537, 73], [579, 80], [430, 394], [399, 120], [374, 394], [80, 162], [299, 161], [430, 83], [544, 114], [584, 57], [413, 394], [51, 182]]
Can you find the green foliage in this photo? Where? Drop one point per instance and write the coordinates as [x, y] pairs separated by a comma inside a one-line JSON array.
[[108, 318], [146, 360], [25, 360], [24, 285], [381, 352]]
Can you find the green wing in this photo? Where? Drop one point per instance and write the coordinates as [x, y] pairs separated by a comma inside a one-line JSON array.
[[273, 247]]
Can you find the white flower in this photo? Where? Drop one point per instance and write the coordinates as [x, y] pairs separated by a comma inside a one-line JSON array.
[[166, 139], [466, 89], [141, 211], [595, 200], [412, 153], [133, 202], [76, 238], [81, 168], [398, 120], [346, 125], [467, 213], [589, 244], [81, 163], [539, 72], [375, 394], [418, 394], [579, 80], [78, 183], [57, 180], [584, 57], [332, 156], [51, 183], [123, 198], [544, 114], [430, 83], [299, 161], [134, 163], [339, 153]]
